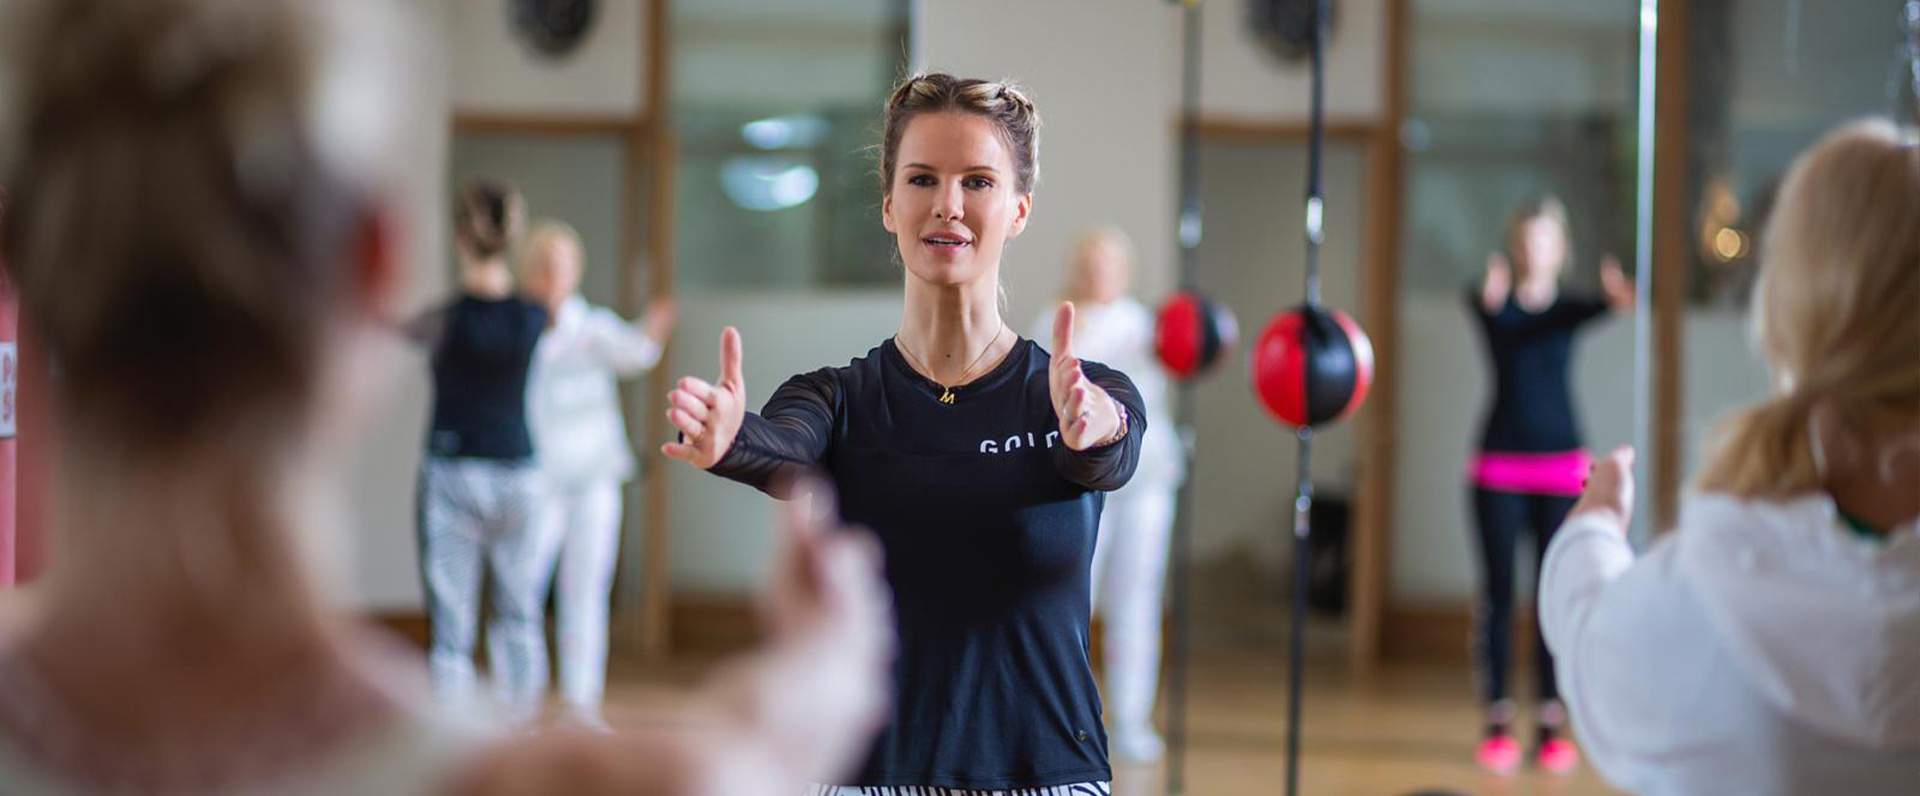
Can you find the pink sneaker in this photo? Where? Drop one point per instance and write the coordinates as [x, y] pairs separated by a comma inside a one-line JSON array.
[[1498, 754], [1559, 756]]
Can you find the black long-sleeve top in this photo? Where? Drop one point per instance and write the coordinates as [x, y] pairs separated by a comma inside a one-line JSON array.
[[1531, 351], [482, 350], [987, 520]]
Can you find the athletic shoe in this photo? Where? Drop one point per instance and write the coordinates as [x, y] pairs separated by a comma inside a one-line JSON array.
[[1558, 756], [1498, 754]]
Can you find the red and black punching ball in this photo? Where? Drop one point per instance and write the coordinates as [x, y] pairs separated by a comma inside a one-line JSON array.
[[1312, 365], [1193, 333]]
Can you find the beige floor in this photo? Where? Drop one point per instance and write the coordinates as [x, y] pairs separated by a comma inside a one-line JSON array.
[[1406, 729]]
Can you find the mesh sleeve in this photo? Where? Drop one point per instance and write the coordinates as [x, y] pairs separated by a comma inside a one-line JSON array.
[[787, 437], [1108, 467]]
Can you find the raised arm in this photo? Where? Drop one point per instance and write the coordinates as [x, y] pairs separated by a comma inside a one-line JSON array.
[[1589, 551], [424, 329], [1609, 623], [1492, 308], [630, 348]]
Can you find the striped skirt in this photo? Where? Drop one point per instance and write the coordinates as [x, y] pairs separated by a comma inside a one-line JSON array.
[[1077, 789]]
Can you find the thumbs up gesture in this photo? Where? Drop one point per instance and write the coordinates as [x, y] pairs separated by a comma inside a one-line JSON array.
[[709, 415], [1088, 416]]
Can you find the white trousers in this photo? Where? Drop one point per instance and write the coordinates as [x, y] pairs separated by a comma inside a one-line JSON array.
[[580, 527], [1129, 575]]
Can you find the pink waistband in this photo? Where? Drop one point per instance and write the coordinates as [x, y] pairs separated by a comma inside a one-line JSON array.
[[1563, 473]]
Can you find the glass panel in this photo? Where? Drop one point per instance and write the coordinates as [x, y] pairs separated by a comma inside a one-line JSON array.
[[774, 106], [1507, 99], [1767, 78]]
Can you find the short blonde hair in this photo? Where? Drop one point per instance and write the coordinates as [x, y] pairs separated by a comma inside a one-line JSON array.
[[1836, 313], [545, 231], [1098, 235], [1544, 205], [1104, 234]]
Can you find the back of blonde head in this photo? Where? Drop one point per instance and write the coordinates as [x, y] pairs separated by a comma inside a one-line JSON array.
[[1836, 314]]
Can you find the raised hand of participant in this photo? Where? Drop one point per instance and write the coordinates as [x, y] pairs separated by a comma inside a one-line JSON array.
[[1088, 416], [1609, 488], [662, 314], [1497, 284], [1615, 284], [821, 690], [708, 415]]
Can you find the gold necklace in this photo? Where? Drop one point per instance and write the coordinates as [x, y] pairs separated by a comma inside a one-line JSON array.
[[946, 393]]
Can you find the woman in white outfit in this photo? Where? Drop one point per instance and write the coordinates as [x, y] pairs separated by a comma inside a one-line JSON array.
[[580, 440], [1771, 643], [1130, 554], [204, 235]]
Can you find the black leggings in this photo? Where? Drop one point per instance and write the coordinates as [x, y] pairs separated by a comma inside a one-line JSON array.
[[1502, 516]]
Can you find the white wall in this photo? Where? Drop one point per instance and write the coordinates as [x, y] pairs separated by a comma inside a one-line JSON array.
[[722, 530], [1104, 77], [495, 73], [377, 568], [1243, 81]]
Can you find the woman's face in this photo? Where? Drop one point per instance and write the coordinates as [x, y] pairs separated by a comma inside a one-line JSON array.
[[1101, 272], [554, 271], [953, 202], [1541, 245]]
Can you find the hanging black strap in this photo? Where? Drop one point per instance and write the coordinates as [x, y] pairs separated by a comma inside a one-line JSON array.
[[1188, 232], [1303, 492], [1189, 219]]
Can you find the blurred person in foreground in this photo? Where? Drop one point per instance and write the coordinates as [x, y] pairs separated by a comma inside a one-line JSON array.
[[204, 238], [1771, 643]]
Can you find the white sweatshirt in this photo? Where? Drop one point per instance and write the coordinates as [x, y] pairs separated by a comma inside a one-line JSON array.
[[1120, 335], [573, 398], [1763, 648]]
